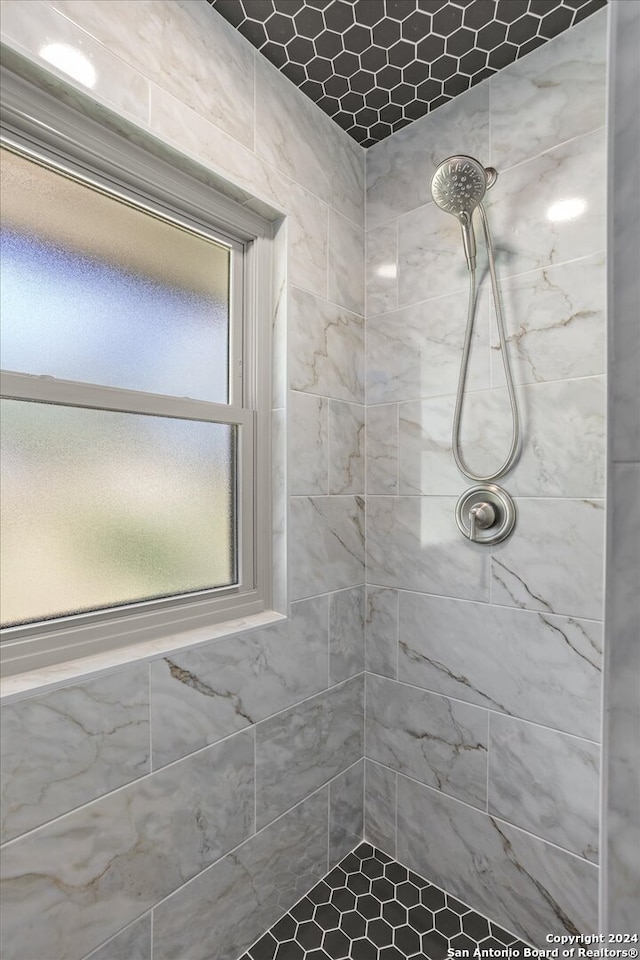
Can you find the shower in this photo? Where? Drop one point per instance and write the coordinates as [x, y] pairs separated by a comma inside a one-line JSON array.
[[485, 513]]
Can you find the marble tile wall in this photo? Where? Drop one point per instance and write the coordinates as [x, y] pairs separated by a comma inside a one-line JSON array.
[[200, 795], [484, 665], [621, 761]]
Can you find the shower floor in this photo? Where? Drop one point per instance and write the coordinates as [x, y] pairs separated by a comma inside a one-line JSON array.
[[370, 907]]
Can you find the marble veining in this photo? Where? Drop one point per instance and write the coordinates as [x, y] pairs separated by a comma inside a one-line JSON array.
[[555, 562], [380, 806], [413, 543], [345, 284], [381, 631], [536, 666], [346, 633], [528, 231], [98, 868], [382, 449], [326, 353], [178, 46], [562, 452], [133, 943], [546, 782], [428, 737], [326, 544], [309, 442], [557, 94], [201, 696], [346, 442], [300, 749], [222, 911], [526, 884], [555, 321], [346, 813], [415, 352], [68, 747]]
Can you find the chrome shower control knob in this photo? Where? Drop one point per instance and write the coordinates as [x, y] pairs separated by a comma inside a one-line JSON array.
[[485, 514]]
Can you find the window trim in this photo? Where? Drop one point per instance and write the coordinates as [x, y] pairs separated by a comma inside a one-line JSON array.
[[37, 125]]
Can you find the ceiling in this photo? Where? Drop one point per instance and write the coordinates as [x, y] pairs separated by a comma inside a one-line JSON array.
[[375, 65]]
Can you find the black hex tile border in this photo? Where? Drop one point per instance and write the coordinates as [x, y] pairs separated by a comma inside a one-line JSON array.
[[374, 66], [370, 907]]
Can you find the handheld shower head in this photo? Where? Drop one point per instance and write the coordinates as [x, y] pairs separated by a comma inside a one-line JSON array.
[[457, 187]]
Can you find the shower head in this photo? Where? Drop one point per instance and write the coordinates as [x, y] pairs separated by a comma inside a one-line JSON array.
[[457, 187]]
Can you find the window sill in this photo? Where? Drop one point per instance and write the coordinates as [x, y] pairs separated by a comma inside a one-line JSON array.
[[42, 680]]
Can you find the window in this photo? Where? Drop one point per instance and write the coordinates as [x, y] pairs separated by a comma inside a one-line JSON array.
[[133, 435]]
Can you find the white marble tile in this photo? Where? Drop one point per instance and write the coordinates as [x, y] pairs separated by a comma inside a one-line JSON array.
[[326, 544], [68, 747], [382, 268], [556, 92], [133, 943], [346, 813], [438, 741], [225, 909], [250, 180], [201, 696], [99, 867], [347, 445], [529, 886], [556, 323], [399, 169], [415, 352], [546, 783], [382, 448], [380, 807], [562, 449], [308, 444], [529, 227], [381, 631], [326, 348], [413, 543], [431, 261], [622, 698], [536, 666], [31, 27], [624, 237], [554, 559], [346, 633], [345, 263], [303, 747], [187, 48], [299, 139]]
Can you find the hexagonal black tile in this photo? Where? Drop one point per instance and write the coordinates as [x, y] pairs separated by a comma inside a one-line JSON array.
[[327, 916], [309, 935], [352, 928], [421, 54], [394, 913]]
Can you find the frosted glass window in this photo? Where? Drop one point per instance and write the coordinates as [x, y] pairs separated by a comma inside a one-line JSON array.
[[101, 508], [96, 290]]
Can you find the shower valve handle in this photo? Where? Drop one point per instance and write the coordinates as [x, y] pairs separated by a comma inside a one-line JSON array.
[[482, 516]]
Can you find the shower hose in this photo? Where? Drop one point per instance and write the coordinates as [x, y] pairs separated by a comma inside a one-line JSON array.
[[464, 364]]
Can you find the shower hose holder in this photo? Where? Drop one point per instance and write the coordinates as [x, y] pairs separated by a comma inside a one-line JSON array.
[[485, 514]]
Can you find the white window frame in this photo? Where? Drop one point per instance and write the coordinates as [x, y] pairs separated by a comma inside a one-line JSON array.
[[41, 128]]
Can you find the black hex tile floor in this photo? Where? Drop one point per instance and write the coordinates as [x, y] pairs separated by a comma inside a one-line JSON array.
[[370, 907]]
